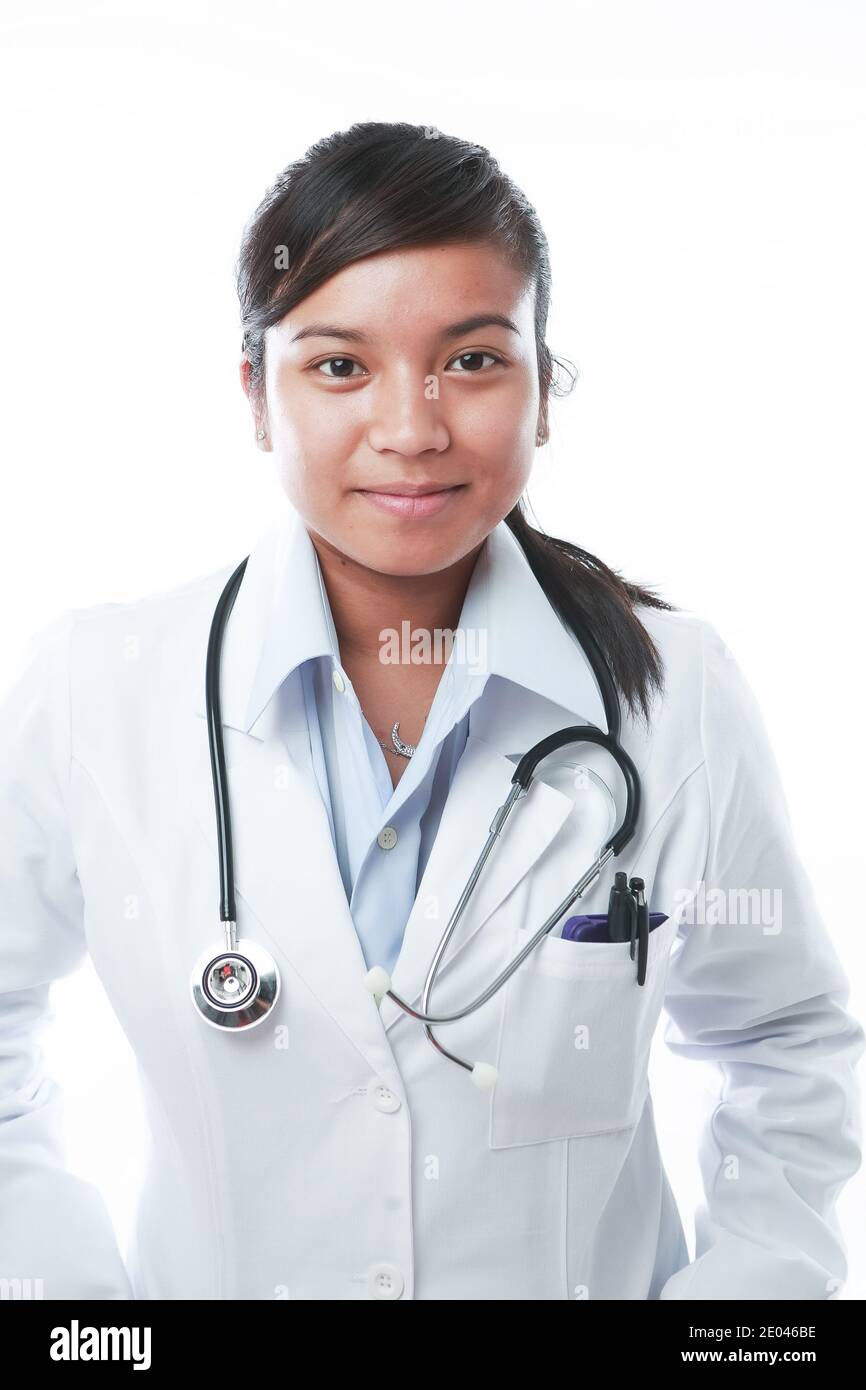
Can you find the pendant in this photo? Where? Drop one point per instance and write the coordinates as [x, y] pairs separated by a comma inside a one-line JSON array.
[[404, 749]]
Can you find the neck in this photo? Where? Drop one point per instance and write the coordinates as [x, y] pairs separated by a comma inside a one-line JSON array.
[[363, 601]]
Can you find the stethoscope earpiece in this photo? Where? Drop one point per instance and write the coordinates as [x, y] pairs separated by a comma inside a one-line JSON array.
[[378, 982], [484, 1076]]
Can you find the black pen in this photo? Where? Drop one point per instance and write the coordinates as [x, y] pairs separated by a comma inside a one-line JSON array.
[[618, 909], [640, 928]]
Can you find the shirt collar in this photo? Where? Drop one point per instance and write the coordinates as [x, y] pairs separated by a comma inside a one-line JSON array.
[[510, 628]]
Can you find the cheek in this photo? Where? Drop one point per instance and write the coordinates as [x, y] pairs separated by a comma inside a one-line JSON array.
[[306, 437], [504, 454], [500, 426], [308, 447]]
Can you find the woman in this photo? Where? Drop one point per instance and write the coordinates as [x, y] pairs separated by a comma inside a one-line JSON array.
[[394, 288]]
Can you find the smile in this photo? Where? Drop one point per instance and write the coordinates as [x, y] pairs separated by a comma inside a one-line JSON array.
[[415, 506]]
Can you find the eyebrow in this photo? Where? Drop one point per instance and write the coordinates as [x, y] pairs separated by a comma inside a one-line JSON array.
[[453, 330]]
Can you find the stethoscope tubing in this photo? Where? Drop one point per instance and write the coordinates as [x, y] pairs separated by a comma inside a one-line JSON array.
[[228, 908], [520, 784]]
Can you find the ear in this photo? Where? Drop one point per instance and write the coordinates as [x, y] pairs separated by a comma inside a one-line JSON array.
[[259, 422], [542, 427]]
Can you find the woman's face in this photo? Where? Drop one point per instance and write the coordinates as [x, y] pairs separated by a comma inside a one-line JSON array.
[[391, 375]]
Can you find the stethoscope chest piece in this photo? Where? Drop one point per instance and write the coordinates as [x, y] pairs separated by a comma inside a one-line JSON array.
[[237, 988]]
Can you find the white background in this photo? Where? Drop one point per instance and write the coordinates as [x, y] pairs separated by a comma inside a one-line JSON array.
[[698, 168]]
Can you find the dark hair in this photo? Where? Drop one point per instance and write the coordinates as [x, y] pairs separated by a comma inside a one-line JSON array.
[[380, 186]]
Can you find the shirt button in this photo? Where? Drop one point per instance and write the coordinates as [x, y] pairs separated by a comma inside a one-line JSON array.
[[387, 837], [384, 1281], [338, 680], [382, 1096]]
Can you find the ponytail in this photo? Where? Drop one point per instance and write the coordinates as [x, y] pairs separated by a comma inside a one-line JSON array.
[[594, 602]]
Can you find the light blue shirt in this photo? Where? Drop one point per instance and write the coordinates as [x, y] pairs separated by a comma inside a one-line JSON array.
[[382, 835]]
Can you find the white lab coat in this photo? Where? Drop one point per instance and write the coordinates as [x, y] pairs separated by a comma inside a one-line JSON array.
[[331, 1153]]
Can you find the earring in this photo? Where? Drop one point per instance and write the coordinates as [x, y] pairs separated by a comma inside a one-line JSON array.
[[260, 434]]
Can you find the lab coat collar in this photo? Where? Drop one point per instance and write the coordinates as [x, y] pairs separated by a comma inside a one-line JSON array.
[[282, 617]]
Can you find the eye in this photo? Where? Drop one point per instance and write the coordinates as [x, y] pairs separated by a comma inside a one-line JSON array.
[[341, 363], [467, 359]]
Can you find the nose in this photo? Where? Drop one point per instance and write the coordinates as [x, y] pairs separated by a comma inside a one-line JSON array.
[[407, 417]]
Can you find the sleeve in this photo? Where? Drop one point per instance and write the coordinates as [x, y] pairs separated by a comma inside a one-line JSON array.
[[755, 986], [56, 1236]]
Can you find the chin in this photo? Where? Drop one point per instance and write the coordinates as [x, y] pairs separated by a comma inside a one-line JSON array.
[[408, 561], [415, 555]]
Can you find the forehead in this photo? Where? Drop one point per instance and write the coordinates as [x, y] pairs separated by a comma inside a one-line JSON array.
[[422, 288]]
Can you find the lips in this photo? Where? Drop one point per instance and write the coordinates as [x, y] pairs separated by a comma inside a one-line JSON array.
[[412, 504], [409, 489]]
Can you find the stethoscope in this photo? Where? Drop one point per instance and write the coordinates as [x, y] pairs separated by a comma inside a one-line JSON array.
[[236, 984]]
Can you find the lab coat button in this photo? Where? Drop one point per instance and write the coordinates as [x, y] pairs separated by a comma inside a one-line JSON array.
[[382, 1096], [384, 1281], [338, 680], [387, 837]]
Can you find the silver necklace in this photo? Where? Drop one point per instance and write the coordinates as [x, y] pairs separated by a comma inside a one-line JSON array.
[[397, 745]]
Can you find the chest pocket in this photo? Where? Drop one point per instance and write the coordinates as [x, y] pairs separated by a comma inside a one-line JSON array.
[[575, 1037]]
